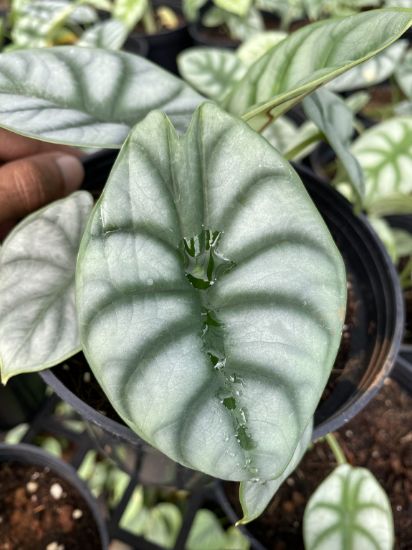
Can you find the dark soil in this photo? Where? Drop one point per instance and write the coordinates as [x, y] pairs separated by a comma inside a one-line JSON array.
[[380, 438], [40, 511]]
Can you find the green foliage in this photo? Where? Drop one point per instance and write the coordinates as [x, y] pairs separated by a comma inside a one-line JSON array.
[[384, 154], [38, 324], [335, 120], [97, 98], [255, 495], [210, 298], [298, 65], [348, 510], [109, 35]]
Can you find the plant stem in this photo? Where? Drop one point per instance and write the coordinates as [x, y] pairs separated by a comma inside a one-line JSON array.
[[292, 153], [336, 449], [149, 22]]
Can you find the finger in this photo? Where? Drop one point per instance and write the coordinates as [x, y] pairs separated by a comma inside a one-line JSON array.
[[13, 146], [28, 184]]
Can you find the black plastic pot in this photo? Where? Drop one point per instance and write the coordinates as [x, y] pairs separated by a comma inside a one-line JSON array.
[[136, 45], [203, 36], [402, 372], [376, 337], [164, 47], [30, 455], [20, 400]]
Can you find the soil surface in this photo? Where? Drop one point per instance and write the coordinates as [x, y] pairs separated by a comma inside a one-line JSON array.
[[40, 511], [380, 438]]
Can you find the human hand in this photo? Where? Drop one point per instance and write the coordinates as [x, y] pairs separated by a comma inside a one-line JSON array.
[[32, 174]]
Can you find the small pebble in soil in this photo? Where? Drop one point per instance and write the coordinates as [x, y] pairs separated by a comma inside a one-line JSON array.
[[87, 377], [77, 514], [55, 546], [32, 486], [36, 475], [56, 491]]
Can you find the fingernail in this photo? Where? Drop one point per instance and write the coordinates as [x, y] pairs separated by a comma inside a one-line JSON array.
[[72, 171]]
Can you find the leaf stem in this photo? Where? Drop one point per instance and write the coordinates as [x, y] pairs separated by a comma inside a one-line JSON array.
[[336, 449], [148, 20], [292, 153]]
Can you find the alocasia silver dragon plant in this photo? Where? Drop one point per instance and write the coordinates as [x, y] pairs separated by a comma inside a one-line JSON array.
[[210, 294]]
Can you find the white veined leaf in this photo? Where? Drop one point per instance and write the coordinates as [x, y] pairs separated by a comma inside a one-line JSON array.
[[335, 120], [298, 65], [96, 99], [243, 28], [210, 70], [129, 12], [255, 496], [38, 321], [237, 7], [257, 45], [384, 153], [109, 35], [176, 269], [348, 510], [403, 74], [373, 71]]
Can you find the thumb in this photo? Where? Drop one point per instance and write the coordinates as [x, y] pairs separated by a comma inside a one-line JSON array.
[[32, 182]]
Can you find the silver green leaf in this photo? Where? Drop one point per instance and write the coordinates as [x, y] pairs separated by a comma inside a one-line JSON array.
[[109, 35], [384, 153], [335, 120], [348, 510], [281, 134], [403, 75], [373, 71], [257, 45], [209, 337], [129, 12], [309, 58], [38, 322], [85, 96], [237, 7], [255, 496], [210, 70]]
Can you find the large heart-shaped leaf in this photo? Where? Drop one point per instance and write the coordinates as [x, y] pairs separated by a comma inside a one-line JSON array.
[[385, 155], [211, 296], [348, 510], [88, 97], [210, 70], [254, 496], [311, 57], [38, 323]]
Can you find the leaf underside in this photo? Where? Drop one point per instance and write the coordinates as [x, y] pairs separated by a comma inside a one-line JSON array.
[[211, 296]]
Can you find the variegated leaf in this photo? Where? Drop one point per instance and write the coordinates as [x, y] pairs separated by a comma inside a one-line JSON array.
[[210, 70], [348, 510]]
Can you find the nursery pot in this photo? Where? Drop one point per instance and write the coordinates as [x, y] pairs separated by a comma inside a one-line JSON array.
[[163, 47], [403, 368], [29, 455], [20, 400], [375, 337], [210, 37]]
